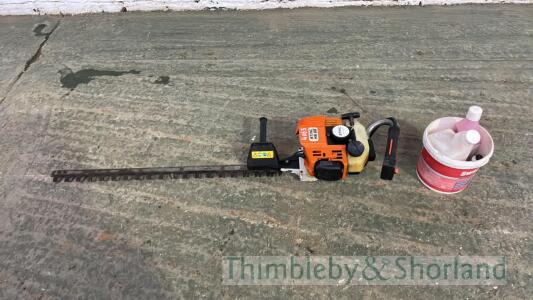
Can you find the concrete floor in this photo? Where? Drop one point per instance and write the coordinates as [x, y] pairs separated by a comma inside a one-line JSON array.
[[166, 89]]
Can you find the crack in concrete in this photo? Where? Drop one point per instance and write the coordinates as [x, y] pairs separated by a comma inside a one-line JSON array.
[[33, 58]]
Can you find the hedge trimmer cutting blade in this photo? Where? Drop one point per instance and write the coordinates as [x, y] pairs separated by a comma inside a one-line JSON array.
[[91, 175]]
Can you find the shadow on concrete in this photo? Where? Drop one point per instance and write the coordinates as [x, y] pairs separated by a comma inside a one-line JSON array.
[[409, 147]]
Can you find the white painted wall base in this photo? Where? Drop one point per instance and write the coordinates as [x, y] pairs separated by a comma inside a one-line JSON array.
[[40, 7]]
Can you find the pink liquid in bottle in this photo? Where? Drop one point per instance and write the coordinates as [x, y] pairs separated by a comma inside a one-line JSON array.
[[471, 122]]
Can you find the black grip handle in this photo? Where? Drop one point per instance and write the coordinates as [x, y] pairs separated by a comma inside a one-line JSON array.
[[389, 160], [263, 130]]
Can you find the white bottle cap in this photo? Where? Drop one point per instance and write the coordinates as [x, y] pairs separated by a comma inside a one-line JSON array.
[[474, 113], [472, 137]]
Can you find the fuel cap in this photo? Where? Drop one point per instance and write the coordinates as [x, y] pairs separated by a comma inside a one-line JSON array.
[[355, 148]]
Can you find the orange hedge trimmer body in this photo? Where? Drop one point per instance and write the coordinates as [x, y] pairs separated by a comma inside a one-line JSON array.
[[330, 149]]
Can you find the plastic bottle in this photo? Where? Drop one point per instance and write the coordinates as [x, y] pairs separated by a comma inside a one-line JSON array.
[[456, 146], [463, 143], [442, 140], [471, 122]]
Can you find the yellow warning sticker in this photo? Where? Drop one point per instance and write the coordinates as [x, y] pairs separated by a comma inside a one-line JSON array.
[[262, 154]]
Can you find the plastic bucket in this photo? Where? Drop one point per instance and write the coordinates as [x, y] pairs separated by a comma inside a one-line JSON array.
[[446, 175]]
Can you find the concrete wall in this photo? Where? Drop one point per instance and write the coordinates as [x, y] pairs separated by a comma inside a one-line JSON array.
[[39, 7]]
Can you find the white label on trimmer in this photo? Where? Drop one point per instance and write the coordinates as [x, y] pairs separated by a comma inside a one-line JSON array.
[[313, 134]]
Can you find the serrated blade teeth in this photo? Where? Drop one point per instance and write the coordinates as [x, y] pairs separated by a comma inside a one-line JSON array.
[[92, 175]]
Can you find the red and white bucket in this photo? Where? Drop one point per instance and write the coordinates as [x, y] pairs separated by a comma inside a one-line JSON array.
[[446, 175]]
